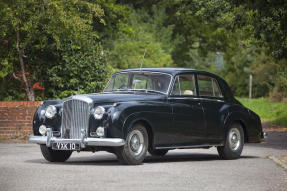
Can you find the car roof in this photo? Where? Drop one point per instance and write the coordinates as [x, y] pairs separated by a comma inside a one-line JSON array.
[[172, 71]]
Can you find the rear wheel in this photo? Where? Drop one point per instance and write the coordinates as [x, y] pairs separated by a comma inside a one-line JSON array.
[[234, 142], [158, 152], [135, 148], [53, 155]]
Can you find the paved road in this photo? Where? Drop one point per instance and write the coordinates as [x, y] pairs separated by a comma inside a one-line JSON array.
[[23, 168]]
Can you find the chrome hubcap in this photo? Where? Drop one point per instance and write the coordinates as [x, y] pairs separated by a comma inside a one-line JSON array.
[[234, 139], [136, 142]]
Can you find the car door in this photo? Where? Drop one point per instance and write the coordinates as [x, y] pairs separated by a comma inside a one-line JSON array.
[[213, 105], [188, 127]]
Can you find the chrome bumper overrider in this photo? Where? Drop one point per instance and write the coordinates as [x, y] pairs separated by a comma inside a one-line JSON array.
[[264, 135], [84, 141]]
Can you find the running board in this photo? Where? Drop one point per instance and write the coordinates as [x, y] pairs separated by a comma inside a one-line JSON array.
[[190, 146]]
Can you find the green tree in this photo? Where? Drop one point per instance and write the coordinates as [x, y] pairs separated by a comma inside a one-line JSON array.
[[270, 77], [43, 40], [270, 24], [81, 70], [33, 31], [147, 37], [239, 30], [112, 23]]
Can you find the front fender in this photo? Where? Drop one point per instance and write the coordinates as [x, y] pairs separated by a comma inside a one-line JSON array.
[[134, 118], [40, 119], [154, 114]]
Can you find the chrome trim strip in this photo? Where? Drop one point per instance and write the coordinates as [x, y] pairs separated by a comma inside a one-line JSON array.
[[197, 98], [190, 146], [108, 142], [217, 100], [177, 78]]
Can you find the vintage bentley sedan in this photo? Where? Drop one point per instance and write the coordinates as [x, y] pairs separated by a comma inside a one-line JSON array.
[[148, 109]]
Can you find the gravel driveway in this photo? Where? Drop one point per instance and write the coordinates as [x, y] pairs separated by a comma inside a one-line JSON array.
[[22, 167]]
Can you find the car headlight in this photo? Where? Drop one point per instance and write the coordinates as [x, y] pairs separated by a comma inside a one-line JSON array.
[[99, 112], [50, 111]]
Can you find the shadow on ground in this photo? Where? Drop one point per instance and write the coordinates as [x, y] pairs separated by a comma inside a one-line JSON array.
[[169, 158], [275, 140]]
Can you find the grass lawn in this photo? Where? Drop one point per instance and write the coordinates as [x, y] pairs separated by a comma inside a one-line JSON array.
[[273, 112]]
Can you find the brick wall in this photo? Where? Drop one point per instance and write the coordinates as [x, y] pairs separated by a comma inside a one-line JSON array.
[[16, 120]]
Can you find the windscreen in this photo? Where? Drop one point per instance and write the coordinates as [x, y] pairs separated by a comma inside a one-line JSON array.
[[132, 81]]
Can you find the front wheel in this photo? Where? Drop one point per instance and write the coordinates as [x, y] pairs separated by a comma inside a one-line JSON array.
[[234, 142], [54, 155], [135, 148]]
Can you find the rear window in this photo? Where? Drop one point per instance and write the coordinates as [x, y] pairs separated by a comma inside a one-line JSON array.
[[208, 86]]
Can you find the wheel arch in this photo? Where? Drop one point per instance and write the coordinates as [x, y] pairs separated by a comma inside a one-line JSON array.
[[243, 125], [233, 119], [132, 120]]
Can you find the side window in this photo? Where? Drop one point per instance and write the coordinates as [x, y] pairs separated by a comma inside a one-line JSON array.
[[208, 86], [142, 82], [184, 85]]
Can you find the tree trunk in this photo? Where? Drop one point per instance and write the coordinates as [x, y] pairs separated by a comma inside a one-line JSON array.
[[3, 87], [28, 87], [250, 86]]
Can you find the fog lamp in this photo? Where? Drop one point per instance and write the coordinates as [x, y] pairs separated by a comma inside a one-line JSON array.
[[100, 132], [42, 130]]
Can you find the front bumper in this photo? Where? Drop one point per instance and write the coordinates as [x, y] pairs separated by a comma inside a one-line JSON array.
[[84, 141]]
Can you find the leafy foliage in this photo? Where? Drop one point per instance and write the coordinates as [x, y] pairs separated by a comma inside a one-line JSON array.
[[81, 70], [146, 43], [74, 45], [34, 33], [6, 68]]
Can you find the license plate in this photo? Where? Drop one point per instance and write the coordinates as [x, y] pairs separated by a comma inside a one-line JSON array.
[[66, 146]]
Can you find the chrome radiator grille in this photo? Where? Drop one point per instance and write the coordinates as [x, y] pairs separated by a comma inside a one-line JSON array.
[[74, 118]]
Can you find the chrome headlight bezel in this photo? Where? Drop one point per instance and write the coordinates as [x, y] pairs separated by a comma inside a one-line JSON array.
[[99, 112], [50, 111]]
